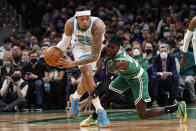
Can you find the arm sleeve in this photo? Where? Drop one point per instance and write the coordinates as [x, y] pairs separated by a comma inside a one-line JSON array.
[[64, 43], [187, 38]]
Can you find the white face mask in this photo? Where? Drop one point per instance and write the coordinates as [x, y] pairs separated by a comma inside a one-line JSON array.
[[163, 55], [181, 48], [136, 52]]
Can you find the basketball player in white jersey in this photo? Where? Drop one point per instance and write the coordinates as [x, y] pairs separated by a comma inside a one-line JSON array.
[[191, 31], [86, 34]]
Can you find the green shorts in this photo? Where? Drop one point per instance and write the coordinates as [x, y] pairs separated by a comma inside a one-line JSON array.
[[139, 86]]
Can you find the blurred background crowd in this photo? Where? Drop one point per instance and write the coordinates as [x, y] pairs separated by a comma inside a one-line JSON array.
[[152, 32]]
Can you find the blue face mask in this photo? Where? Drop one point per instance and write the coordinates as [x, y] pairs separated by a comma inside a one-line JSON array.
[[130, 17], [166, 34], [8, 47], [136, 31], [60, 25]]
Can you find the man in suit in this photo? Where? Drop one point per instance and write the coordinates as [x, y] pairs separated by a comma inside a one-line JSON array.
[[164, 75]]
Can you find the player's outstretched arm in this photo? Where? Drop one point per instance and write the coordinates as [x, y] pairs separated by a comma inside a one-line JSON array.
[[66, 39], [98, 34], [117, 65], [189, 34]]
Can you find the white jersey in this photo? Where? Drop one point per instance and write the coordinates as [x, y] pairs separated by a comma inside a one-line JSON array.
[[82, 39]]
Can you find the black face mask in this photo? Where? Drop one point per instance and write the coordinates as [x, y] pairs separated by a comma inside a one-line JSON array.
[[33, 61], [179, 37], [139, 21], [148, 51], [16, 78], [17, 59], [22, 47]]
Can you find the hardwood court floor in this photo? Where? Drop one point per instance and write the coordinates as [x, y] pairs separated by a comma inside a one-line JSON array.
[[121, 120]]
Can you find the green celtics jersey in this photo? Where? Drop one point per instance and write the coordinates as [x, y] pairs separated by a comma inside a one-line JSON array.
[[133, 69]]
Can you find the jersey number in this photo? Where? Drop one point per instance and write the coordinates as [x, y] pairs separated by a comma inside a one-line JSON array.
[[84, 40]]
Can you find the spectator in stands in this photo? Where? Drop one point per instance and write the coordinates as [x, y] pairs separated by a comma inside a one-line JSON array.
[[16, 53], [33, 41], [33, 72], [148, 52], [13, 92], [6, 47], [137, 36], [46, 41], [164, 75], [7, 69], [36, 48], [49, 16], [179, 36], [187, 75], [145, 34], [25, 56], [54, 88], [137, 55]]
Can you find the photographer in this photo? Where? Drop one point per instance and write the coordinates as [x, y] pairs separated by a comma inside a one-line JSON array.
[[13, 92]]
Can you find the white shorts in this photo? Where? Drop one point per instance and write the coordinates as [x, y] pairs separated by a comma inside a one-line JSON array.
[[79, 54]]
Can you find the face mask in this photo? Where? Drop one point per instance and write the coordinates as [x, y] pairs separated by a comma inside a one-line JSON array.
[[163, 55], [136, 31], [166, 34], [139, 21], [181, 48], [101, 13], [130, 17], [25, 61], [8, 47], [136, 52], [33, 61], [148, 51], [8, 64], [120, 23], [179, 37], [60, 25], [22, 47], [16, 78], [46, 43]]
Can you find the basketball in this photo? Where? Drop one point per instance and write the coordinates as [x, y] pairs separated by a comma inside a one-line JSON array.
[[52, 55]]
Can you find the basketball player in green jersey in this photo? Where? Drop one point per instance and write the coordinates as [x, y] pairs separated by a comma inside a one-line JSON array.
[[130, 75]]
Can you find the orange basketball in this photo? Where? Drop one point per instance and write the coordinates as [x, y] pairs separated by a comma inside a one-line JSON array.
[[52, 55]]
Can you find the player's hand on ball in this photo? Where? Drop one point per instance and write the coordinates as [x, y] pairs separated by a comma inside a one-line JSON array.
[[65, 63], [86, 103]]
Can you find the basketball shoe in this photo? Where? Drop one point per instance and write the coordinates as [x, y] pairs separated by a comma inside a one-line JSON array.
[[182, 112], [88, 122], [103, 120], [73, 110]]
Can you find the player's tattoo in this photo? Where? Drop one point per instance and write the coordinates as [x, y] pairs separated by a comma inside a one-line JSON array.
[[98, 34], [115, 65]]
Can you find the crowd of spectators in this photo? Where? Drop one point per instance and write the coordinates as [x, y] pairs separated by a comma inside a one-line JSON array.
[[152, 33]]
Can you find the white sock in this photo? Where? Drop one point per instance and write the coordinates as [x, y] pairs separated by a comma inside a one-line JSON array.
[[76, 95], [96, 103]]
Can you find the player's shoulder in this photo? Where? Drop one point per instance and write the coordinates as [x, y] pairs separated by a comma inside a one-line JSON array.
[[99, 24], [69, 21], [194, 18]]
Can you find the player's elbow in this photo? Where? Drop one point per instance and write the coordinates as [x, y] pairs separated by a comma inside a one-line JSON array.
[[94, 58]]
